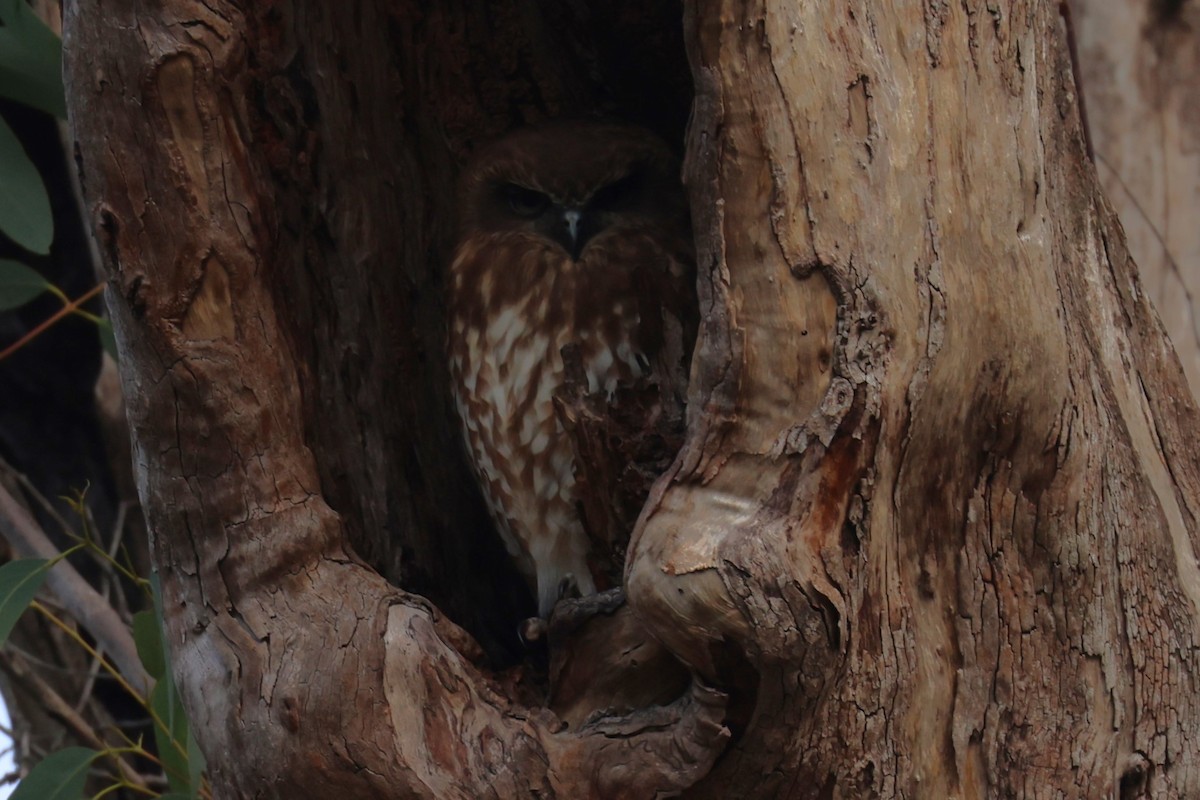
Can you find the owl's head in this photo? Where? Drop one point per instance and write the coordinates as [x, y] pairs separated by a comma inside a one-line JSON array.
[[569, 181]]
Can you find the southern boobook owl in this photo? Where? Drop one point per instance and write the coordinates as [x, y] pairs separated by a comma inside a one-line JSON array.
[[572, 232]]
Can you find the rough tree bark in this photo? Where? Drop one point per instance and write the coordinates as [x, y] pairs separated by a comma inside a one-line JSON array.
[[933, 530], [1141, 78], [53, 444]]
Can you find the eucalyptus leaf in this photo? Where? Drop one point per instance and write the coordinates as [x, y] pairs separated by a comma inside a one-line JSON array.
[[30, 60], [19, 584], [156, 596], [24, 204], [172, 734], [197, 764], [181, 769], [19, 284], [147, 635], [58, 776], [107, 340]]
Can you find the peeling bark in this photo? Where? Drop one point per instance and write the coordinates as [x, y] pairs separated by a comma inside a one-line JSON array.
[[932, 531]]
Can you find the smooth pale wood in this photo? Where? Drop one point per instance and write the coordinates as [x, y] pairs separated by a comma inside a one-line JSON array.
[[933, 529], [1140, 64]]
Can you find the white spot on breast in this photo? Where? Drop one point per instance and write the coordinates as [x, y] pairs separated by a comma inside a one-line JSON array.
[[626, 356], [598, 371]]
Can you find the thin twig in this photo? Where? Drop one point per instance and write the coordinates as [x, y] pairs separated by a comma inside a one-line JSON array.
[[58, 708], [80, 600], [89, 683], [116, 538], [141, 698], [1171, 262], [106, 560], [69, 308], [27, 486]]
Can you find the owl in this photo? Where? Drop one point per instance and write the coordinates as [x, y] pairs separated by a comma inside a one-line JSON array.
[[570, 233]]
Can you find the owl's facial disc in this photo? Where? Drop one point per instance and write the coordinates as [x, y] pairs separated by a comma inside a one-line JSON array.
[[568, 225], [571, 221], [532, 209], [579, 223]]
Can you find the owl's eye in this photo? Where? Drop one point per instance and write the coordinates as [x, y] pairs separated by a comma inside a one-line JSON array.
[[527, 203]]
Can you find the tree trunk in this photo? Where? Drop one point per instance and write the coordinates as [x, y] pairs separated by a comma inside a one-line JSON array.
[[52, 448], [933, 529], [1141, 77]]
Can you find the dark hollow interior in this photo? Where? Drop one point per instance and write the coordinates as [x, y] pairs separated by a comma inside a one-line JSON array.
[[366, 112]]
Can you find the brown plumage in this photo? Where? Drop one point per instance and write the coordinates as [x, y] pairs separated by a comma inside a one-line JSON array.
[[573, 232]]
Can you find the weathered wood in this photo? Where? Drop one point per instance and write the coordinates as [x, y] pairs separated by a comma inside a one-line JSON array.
[[936, 527], [933, 529], [266, 239]]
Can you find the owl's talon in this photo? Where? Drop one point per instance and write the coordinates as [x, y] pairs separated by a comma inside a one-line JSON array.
[[568, 588], [532, 632]]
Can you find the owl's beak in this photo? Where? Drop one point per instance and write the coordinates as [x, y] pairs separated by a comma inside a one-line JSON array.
[[573, 230], [571, 216]]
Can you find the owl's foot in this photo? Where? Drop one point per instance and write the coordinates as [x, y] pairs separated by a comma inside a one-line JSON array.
[[572, 612], [532, 631], [569, 614]]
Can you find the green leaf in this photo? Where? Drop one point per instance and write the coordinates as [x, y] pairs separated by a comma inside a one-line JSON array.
[[147, 635], [30, 60], [183, 771], [59, 776], [24, 205], [19, 584], [167, 706], [156, 595], [19, 284], [196, 763], [107, 340]]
